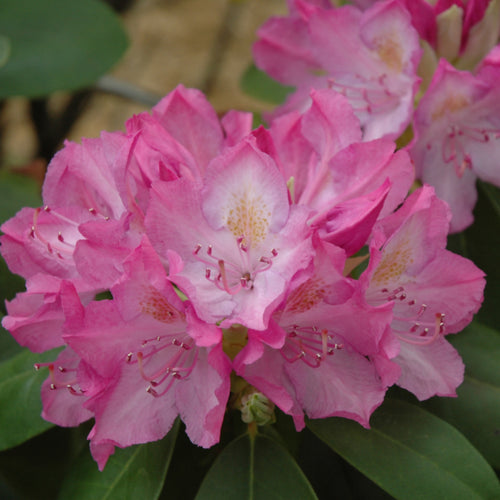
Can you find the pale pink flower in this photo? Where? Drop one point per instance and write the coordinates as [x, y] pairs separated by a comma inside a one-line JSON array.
[[457, 137], [433, 292], [233, 242], [461, 31], [371, 57]]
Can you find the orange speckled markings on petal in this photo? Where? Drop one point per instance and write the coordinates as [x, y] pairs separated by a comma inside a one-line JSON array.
[[156, 305], [248, 217], [453, 103], [393, 264], [389, 50], [306, 296]]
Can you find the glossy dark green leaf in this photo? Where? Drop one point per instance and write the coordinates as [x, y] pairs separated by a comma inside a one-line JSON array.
[[4, 50], [135, 472], [411, 454], [480, 243], [479, 347], [253, 469], [8, 346], [20, 404], [492, 193], [258, 84], [44, 459], [476, 410], [56, 45]]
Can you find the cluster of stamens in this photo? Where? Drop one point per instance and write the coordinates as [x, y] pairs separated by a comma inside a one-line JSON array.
[[312, 345], [172, 360], [62, 378], [423, 331], [453, 150], [231, 277], [57, 246], [369, 95]]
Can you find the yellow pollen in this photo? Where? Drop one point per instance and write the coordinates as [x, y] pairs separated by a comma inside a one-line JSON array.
[[306, 296], [156, 305], [450, 105], [248, 217], [393, 264], [389, 50]]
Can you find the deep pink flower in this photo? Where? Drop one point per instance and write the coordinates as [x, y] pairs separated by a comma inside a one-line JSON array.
[[69, 384], [158, 359], [371, 57], [315, 355], [433, 292], [347, 183]]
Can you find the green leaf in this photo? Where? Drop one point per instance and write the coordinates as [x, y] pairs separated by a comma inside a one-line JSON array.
[[411, 454], [480, 243], [4, 50], [255, 468], [8, 346], [43, 459], [16, 192], [258, 84], [134, 472], [57, 45], [493, 195], [479, 347], [20, 404], [476, 410]]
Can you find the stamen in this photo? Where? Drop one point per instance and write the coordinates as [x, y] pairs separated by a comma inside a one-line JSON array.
[[309, 345], [453, 149], [55, 245], [423, 338], [232, 277], [179, 361], [59, 379], [223, 276]]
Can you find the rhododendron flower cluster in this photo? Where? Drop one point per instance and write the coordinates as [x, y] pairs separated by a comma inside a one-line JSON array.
[[189, 257], [430, 66]]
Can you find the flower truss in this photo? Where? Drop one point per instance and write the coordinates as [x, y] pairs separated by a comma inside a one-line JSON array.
[[191, 257], [433, 66]]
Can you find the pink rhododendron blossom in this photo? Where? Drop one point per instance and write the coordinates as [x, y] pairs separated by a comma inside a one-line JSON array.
[[67, 388], [370, 57], [348, 183], [321, 365], [35, 318], [461, 31], [187, 248], [433, 291], [154, 354], [457, 132], [234, 243]]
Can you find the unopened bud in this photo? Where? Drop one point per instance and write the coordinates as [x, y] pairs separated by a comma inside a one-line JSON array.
[[255, 407]]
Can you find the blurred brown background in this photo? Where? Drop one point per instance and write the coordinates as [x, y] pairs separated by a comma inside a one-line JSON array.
[[201, 43]]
